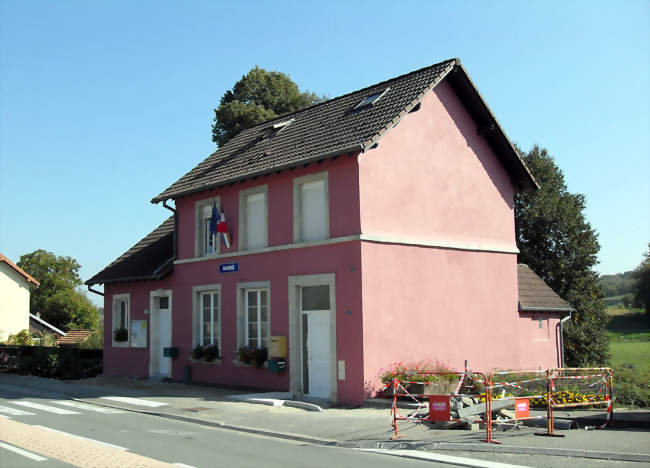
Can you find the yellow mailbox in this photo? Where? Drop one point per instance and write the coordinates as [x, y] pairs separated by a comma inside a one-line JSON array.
[[278, 347]]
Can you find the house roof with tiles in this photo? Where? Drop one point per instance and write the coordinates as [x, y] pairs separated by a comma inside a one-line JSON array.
[[151, 258], [344, 126], [29, 278], [74, 336], [537, 296]]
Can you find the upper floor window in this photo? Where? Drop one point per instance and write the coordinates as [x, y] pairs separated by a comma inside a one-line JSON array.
[[206, 243], [311, 208], [253, 218]]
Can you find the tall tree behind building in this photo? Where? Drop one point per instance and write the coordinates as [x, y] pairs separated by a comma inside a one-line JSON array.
[[557, 242], [642, 283], [57, 298], [259, 96]]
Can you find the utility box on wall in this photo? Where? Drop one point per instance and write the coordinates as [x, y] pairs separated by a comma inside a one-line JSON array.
[[278, 347]]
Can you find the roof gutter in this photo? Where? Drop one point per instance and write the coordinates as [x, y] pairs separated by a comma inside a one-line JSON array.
[[173, 210], [568, 317], [545, 309], [317, 157], [90, 288]]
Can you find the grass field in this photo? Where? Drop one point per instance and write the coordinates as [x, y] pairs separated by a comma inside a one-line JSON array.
[[629, 336]]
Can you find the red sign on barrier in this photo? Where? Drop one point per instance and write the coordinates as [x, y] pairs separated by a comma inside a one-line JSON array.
[[439, 408], [522, 408]]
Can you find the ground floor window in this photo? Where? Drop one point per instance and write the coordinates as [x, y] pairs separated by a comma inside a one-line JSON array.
[[257, 318], [206, 322], [121, 319], [209, 330]]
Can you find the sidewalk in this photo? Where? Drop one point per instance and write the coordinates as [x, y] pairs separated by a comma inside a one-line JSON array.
[[366, 427]]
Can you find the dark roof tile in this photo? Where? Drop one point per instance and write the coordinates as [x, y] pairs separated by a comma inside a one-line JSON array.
[[328, 128], [536, 295], [144, 259]]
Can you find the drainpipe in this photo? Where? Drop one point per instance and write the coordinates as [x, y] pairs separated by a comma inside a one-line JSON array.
[[90, 288], [175, 225], [562, 336]]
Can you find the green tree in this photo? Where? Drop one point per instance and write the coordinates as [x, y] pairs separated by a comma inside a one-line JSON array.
[[642, 286], [58, 298], [259, 96], [556, 241]]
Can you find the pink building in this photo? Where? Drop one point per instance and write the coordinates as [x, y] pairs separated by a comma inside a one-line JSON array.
[[371, 228]]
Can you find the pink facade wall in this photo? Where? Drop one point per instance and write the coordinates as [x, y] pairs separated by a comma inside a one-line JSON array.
[[342, 259], [128, 361], [433, 180], [343, 180], [433, 177]]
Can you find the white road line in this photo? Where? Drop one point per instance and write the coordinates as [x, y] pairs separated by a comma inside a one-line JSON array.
[[83, 438], [49, 409], [22, 452], [84, 406], [439, 457], [183, 465], [14, 411], [135, 401]]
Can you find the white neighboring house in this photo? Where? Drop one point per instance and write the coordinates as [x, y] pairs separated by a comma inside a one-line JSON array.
[[14, 298]]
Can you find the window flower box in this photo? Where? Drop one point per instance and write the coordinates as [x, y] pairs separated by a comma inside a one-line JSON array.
[[121, 335]]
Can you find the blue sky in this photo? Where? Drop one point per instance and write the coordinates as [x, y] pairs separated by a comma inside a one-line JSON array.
[[105, 104]]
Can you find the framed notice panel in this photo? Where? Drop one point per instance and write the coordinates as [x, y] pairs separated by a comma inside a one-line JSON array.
[[138, 333]]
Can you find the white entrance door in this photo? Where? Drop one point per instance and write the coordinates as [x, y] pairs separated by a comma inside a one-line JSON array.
[[164, 335], [317, 355]]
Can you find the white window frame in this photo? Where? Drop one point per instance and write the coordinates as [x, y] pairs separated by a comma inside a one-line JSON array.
[[201, 208], [243, 221], [197, 295], [298, 182], [242, 312], [117, 300]]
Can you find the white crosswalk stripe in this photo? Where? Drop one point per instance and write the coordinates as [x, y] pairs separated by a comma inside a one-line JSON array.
[[135, 401], [87, 407], [47, 408], [14, 411], [22, 452]]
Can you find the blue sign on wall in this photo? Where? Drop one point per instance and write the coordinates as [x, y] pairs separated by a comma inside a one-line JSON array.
[[228, 267]]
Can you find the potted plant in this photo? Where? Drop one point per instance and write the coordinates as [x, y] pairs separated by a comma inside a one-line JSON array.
[[198, 352], [210, 353], [244, 355], [259, 356], [121, 334]]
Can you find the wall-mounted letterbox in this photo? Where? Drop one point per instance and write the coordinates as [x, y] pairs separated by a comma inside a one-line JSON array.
[[278, 347]]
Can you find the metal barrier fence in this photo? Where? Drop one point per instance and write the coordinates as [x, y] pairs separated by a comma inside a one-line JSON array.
[[602, 378], [515, 388]]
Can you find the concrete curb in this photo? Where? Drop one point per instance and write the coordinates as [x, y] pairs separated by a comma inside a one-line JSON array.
[[217, 424], [415, 445]]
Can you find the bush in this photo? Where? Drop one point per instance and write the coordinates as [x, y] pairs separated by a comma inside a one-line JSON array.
[[631, 387], [59, 362], [95, 340], [417, 372], [22, 338]]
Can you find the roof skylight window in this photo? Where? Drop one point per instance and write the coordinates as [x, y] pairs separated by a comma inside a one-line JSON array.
[[280, 125], [371, 100], [277, 128]]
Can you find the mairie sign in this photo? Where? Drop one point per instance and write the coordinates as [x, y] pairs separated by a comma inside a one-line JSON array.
[[228, 267]]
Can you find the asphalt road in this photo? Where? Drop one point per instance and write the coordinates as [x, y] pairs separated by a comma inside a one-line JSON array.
[[185, 444]]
